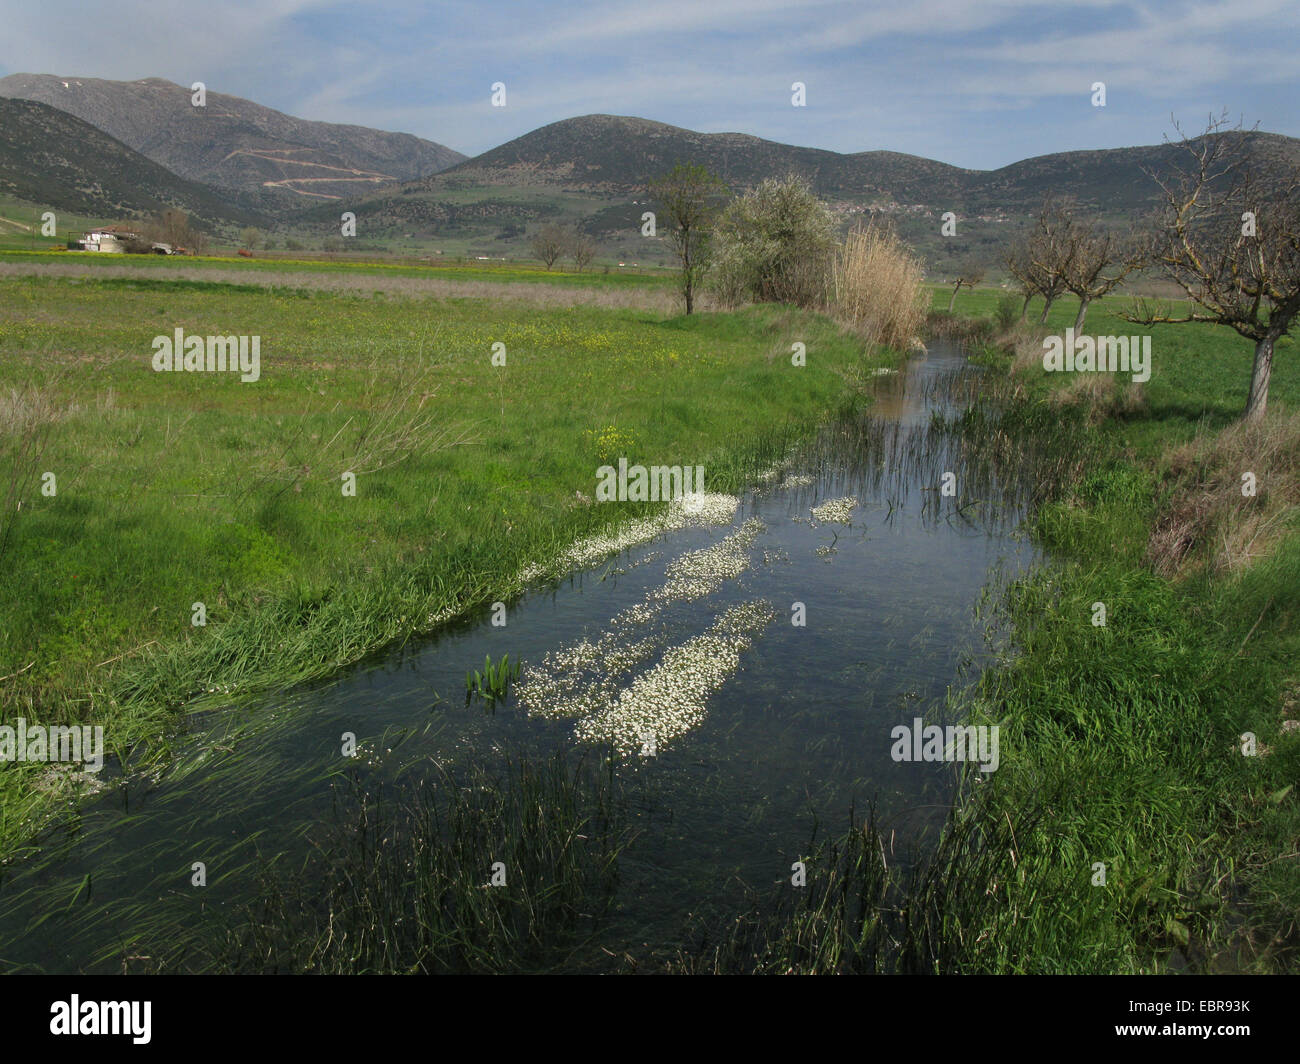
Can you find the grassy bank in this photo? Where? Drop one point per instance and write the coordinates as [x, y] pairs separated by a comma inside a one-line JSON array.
[[1127, 829], [173, 489]]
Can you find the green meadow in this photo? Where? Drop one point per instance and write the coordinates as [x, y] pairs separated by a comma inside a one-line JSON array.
[[172, 489], [1125, 831], [277, 262]]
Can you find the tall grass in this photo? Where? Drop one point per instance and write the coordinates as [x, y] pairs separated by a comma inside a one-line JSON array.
[[29, 410], [1232, 496], [879, 287]]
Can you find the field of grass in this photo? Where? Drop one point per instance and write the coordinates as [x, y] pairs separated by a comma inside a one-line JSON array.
[[180, 488], [1135, 728], [20, 226], [342, 264], [1125, 831]]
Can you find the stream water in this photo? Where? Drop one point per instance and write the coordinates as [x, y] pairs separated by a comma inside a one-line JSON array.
[[755, 726]]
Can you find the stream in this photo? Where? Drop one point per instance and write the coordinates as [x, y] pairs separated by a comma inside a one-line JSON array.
[[744, 729]]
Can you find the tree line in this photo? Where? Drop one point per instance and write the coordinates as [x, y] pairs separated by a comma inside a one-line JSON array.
[[1226, 232]]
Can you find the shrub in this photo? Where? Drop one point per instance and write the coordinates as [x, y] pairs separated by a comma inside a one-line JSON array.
[[1007, 313], [774, 244]]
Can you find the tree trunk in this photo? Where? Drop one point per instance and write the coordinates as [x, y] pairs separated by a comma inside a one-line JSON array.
[[953, 300], [1263, 369], [1083, 313], [1024, 307], [1047, 305]]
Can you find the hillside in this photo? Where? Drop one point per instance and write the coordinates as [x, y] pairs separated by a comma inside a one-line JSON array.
[[50, 158], [610, 154], [593, 171], [236, 144]]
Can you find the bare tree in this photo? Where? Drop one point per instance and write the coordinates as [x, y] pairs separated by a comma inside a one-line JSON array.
[[1097, 263], [173, 226], [549, 243], [1229, 236], [1049, 249], [968, 276], [1019, 265], [688, 196], [582, 249]]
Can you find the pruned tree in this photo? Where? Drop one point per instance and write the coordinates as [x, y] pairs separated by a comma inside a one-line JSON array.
[[1020, 267], [582, 249], [1048, 252], [549, 243], [1097, 263], [968, 276], [1229, 236], [688, 197]]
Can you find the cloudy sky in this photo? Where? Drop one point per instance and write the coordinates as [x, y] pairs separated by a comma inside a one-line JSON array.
[[978, 84]]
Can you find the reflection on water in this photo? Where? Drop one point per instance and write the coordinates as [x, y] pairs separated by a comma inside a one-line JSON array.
[[749, 671]]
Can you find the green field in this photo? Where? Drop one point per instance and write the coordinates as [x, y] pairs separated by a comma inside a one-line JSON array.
[[1121, 743], [1126, 738], [359, 266], [177, 488]]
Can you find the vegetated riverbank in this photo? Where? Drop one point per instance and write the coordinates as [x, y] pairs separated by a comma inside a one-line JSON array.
[[1127, 828], [795, 733], [179, 489]]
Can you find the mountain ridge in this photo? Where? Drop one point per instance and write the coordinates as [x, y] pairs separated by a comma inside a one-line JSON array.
[[237, 144], [51, 158]]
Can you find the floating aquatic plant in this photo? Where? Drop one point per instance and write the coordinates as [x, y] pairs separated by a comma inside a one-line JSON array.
[[493, 682], [694, 510], [670, 699], [837, 511]]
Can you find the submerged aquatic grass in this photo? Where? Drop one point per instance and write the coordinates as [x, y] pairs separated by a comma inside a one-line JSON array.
[[479, 870]]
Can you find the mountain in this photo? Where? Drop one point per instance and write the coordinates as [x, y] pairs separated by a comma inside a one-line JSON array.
[[52, 159], [611, 154], [235, 144], [592, 171]]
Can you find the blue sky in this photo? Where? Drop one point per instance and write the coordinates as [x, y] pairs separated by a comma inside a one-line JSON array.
[[977, 84]]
